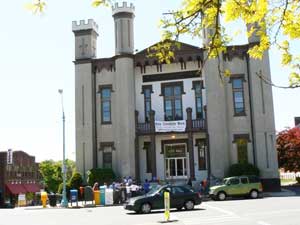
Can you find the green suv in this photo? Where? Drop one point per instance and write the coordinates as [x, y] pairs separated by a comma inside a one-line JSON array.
[[249, 186]]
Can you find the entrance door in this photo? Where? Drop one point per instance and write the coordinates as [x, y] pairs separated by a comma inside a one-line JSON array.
[[175, 161]]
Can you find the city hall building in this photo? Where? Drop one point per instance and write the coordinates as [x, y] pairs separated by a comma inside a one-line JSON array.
[[170, 121]]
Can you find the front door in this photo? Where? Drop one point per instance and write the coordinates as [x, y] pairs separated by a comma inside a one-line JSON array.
[[175, 161]]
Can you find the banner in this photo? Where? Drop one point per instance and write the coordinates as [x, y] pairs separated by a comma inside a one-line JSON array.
[[9, 157], [170, 126]]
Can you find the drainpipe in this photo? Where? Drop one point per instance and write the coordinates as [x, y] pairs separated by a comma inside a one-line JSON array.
[[251, 110]]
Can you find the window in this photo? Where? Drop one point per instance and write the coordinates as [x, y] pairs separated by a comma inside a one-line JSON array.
[[148, 156], [238, 96], [197, 86], [234, 181], [242, 150], [106, 105], [107, 160], [201, 155], [244, 180], [172, 100], [147, 90]]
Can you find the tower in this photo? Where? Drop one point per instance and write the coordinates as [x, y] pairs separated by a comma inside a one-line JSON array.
[[124, 126], [85, 50]]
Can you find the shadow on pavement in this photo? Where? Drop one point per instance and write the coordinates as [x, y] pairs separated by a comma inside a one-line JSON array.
[[162, 211]]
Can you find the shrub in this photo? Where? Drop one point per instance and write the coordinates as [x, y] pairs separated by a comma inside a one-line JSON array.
[[76, 181], [298, 180], [68, 188], [100, 175], [240, 169]]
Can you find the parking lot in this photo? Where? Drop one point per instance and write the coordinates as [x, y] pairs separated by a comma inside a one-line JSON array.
[[267, 211]]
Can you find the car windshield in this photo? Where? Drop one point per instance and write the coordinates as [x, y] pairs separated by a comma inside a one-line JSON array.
[[225, 181], [154, 190]]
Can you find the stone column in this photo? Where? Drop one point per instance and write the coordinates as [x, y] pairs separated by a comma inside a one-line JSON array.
[[153, 144], [207, 145], [137, 151], [190, 142]]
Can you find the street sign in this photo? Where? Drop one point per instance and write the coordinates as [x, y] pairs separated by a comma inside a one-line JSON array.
[[167, 205], [9, 157]]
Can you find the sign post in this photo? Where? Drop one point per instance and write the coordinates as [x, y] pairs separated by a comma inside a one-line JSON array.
[[167, 205]]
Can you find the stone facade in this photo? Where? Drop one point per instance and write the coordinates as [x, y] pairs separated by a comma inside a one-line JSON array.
[[123, 132]]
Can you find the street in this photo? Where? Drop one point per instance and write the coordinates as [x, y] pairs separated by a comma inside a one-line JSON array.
[[267, 211]]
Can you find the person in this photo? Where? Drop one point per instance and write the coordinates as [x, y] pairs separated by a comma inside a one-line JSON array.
[[128, 191], [96, 186], [189, 182], [105, 185], [146, 186], [129, 181]]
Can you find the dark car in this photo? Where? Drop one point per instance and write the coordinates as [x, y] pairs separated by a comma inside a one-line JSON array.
[[180, 196]]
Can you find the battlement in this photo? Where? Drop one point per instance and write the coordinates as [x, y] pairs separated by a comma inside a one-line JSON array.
[[82, 25], [123, 8]]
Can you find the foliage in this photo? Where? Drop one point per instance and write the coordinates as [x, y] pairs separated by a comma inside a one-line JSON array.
[[51, 173], [240, 169], [76, 181], [288, 149], [275, 22], [100, 175]]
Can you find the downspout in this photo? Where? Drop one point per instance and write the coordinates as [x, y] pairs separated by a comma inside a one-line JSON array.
[[207, 146], [251, 110], [95, 117]]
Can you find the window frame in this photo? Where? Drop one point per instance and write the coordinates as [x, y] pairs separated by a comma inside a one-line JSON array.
[[102, 100], [147, 148], [238, 90], [147, 99], [199, 145], [200, 83], [173, 98], [111, 159]]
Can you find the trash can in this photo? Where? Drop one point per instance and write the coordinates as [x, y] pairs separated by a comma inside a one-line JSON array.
[[74, 196], [44, 197], [117, 196], [88, 194], [52, 200], [102, 195], [109, 198], [97, 197]]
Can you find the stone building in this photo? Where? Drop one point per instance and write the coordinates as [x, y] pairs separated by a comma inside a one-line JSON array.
[[18, 174], [169, 121]]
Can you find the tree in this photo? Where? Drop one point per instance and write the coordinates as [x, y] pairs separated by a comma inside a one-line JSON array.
[[288, 149], [276, 22], [51, 172]]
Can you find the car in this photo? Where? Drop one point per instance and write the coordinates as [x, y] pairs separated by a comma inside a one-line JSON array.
[[180, 197], [248, 186]]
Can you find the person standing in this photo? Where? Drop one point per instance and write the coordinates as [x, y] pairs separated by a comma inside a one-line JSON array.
[[146, 186]]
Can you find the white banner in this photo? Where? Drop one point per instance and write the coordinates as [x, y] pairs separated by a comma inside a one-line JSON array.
[[9, 157], [170, 126]]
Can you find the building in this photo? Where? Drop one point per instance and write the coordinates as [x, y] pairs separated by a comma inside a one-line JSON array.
[[19, 174], [297, 121], [169, 121]]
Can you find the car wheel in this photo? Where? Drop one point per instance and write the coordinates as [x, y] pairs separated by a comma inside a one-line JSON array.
[[189, 205], [146, 208], [221, 196], [254, 194]]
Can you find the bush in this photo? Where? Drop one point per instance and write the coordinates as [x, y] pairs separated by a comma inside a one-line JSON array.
[[240, 169], [76, 181], [298, 180], [68, 188], [100, 175]]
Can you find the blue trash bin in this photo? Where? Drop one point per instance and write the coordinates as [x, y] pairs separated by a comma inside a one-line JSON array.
[[74, 196], [102, 195]]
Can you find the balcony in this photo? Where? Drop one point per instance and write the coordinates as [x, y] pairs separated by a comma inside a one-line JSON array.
[[192, 125]]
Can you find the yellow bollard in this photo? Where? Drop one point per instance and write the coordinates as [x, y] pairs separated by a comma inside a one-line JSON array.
[[167, 205], [44, 197]]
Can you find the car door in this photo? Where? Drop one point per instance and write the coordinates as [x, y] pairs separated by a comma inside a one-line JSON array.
[[157, 201], [234, 187], [177, 197], [245, 187]]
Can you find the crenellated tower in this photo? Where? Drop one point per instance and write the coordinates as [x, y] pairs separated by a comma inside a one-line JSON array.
[[124, 126]]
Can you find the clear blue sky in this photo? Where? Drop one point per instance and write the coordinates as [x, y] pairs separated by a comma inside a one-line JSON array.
[[36, 60]]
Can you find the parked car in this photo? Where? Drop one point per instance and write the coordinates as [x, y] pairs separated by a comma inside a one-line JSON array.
[[249, 186], [180, 196]]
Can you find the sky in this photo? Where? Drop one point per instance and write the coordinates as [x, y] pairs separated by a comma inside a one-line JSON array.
[[37, 53]]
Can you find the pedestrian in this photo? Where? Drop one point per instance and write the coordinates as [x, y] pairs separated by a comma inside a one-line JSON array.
[[128, 191], [146, 186], [96, 186]]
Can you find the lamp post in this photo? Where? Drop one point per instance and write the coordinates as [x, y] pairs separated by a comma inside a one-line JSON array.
[[64, 201]]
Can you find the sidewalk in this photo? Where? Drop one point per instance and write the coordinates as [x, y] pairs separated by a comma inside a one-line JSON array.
[[284, 193]]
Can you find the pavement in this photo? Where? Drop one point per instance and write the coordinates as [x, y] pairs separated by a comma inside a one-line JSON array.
[[265, 211]]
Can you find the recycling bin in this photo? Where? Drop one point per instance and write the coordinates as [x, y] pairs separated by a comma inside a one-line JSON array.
[[97, 197], [74, 196], [44, 197], [52, 200], [109, 197], [102, 195]]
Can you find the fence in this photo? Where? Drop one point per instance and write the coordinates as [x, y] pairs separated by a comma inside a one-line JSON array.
[[290, 175]]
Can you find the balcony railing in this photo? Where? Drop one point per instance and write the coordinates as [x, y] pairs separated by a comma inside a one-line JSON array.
[[198, 125]]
